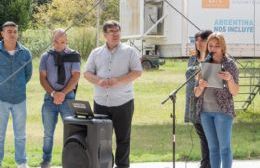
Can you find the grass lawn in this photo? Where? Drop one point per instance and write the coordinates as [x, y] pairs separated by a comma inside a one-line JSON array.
[[152, 125]]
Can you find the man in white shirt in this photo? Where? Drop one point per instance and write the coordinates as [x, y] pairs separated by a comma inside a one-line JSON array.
[[112, 68]]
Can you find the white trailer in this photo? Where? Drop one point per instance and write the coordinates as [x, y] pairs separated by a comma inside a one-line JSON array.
[[155, 27]]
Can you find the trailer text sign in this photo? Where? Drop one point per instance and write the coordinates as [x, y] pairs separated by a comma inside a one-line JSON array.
[[234, 25]]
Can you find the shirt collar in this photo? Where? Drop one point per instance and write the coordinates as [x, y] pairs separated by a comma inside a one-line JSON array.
[[18, 46], [66, 50], [114, 49]]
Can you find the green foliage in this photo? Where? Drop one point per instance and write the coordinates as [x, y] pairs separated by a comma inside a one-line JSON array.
[[36, 40], [18, 11], [42, 1], [64, 13], [81, 39], [111, 11], [74, 12]]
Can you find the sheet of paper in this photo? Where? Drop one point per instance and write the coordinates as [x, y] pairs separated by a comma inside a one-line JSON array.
[[209, 73]]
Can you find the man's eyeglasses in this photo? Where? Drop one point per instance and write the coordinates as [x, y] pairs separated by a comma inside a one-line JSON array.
[[113, 32]]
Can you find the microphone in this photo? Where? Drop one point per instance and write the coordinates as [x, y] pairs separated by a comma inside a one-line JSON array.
[[209, 57], [194, 67]]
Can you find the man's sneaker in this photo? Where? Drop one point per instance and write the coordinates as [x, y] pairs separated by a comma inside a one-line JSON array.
[[24, 165], [45, 164]]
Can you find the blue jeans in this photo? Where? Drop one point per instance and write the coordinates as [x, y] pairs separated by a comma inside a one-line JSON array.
[[18, 112], [218, 131], [50, 112]]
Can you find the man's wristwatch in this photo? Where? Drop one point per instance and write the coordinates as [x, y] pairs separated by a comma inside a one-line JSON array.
[[52, 93]]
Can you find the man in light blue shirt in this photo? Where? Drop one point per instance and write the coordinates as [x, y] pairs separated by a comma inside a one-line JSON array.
[[112, 68], [13, 56]]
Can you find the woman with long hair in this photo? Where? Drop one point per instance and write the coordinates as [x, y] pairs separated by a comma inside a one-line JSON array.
[[215, 105]]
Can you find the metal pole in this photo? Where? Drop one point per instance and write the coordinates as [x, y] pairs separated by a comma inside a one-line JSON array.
[[184, 23], [173, 98], [97, 25]]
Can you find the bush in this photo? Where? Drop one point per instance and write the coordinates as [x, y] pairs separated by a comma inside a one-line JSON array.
[[37, 41], [81, 39]]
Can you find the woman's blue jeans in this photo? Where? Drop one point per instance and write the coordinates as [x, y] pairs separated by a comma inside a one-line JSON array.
[[18, 112], [50, 113], [218, 130]]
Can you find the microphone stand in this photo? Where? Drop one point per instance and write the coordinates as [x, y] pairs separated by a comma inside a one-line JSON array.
[[172, 96]]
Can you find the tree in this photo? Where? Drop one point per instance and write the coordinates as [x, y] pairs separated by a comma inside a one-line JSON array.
[[40, 2], [18, 11], [110, 11], [68, 12], [65, 13]]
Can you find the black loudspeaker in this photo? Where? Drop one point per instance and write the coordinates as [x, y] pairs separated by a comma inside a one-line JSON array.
[[87, 143]]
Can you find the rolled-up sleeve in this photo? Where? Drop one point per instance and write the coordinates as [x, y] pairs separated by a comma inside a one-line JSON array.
[[90, 65], [135, 61], [43, 66], [75, 67]]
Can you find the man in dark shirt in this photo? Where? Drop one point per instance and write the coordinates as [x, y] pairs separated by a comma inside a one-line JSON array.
[[59, 75]]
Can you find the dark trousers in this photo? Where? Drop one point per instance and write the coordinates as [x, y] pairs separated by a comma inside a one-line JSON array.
[[121, 117], [205, 162]]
